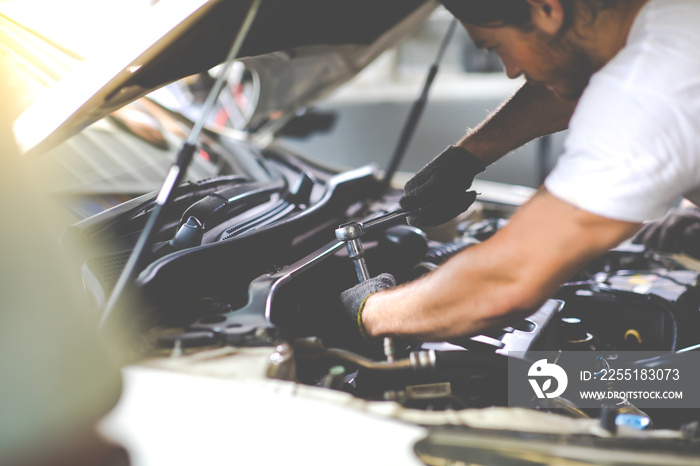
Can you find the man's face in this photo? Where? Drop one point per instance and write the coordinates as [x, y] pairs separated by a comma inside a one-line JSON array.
[[553, 61]]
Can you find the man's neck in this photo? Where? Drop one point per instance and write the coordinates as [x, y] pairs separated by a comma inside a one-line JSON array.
[[609, 32]]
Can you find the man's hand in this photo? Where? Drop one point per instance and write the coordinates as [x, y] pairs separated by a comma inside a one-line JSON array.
[[500, 280], [439, 189], [678, 232], [354, 299]]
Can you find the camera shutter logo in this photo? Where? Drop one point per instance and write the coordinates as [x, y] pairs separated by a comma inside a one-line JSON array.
[[544, 370]]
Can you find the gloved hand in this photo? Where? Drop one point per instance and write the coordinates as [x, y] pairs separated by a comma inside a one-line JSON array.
[[440, 188], [354, 299], [678, 231]]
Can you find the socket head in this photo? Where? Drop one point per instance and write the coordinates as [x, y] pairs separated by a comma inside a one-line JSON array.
[[349, 231]]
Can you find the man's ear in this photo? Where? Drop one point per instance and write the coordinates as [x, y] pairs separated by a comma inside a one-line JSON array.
[[547, 15]]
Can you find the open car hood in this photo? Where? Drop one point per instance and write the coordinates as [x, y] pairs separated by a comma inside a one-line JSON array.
[[322, 42]]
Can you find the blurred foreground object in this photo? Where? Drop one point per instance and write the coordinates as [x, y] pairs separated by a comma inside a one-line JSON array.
[[57, 375]]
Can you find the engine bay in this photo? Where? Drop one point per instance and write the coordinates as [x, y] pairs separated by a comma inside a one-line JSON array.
[[265, 271]]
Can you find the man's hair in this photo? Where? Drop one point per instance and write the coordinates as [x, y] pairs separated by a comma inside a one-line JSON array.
[[516, 13]]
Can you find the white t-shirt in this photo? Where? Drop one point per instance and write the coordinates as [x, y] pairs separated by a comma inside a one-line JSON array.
[[633, 148]]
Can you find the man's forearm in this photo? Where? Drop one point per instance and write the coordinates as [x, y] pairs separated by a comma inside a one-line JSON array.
[[533, 111], [464, 296], [499, 280]]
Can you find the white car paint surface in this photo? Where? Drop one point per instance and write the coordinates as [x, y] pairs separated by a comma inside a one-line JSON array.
[[172, 418]]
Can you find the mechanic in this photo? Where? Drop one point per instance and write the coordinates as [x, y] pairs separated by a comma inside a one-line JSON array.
[[624, 77]]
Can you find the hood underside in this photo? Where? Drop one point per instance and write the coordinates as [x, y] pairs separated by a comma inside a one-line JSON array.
[[180, 38]]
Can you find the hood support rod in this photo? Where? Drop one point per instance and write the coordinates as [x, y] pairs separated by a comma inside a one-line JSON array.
[[172, 181], [414, 115]]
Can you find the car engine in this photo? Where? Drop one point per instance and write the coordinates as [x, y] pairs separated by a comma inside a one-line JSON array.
[[251, 264]]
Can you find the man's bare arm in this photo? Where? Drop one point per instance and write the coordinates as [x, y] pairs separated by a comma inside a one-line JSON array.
[[500, 280], [533, 111]]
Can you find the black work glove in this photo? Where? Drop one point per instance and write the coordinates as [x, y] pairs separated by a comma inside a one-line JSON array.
[[354, 299], [677, 232], [440, 188]]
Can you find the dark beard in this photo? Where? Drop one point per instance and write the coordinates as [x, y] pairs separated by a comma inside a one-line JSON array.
[[569, 65]]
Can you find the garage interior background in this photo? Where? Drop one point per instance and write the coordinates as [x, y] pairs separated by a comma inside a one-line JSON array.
[[469, 85]]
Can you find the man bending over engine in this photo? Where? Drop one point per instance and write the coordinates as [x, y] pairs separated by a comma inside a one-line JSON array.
[[624, 77]]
